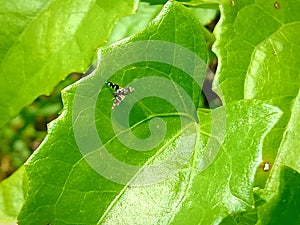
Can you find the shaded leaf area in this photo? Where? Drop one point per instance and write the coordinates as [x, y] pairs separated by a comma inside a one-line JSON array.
[[205, 197], [246, 218], [44, 41], [249, 216], [12, 196], [258, 51], [63, 188], [284, 208], [155, 2]]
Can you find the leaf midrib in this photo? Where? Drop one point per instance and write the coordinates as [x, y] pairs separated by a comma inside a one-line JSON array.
[[151, 159]]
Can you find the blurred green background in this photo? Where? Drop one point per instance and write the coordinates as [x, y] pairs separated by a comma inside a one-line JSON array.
[[22, 135]]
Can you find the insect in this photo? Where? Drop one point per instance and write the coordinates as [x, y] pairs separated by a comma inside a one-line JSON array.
[[119, 93]]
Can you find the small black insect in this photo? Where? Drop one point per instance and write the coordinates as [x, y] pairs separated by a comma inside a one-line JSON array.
[[119, 93]]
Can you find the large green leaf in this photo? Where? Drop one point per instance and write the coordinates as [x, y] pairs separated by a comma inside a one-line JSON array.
[[195, 196], [225, 187], [63, 188], [259, 57], [254, 36], [43, 41], [258, 50]]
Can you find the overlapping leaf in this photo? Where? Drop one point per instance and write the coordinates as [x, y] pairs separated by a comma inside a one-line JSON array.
[[258, 49], [43, 41], [258, 53]]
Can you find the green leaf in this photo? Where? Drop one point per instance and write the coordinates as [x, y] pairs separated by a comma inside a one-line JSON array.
[[65, 182], [288, 156], [155, 2], [261, 66], [188, 2], [63, 188], [258, 50], [204, 15], [195, 196], [225, 188], [201, 2], [44, 41], [284, 209], [145, 13], [288, 153], [132, 24], [12, 193]]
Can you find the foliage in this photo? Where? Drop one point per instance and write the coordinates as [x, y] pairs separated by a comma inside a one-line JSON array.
[[44, 41], [258, 81]]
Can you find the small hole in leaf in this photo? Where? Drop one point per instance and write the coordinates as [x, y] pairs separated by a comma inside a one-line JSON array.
[[266, 166], [276, 5]]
